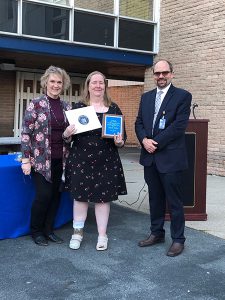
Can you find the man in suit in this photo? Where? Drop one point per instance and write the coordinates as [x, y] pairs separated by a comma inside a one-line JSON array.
[[160, 128]]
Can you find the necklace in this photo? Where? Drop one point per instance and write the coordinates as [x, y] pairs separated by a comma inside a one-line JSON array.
[[59, 122]]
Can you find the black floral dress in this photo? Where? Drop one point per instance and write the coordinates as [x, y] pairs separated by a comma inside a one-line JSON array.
[[94, 172]]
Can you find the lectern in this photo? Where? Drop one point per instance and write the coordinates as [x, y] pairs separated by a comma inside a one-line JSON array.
[[195, 177]]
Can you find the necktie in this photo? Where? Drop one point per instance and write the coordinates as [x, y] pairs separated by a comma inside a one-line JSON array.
[[157, 105]]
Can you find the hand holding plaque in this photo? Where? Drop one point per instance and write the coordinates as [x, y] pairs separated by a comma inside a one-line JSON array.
[[112, 125]]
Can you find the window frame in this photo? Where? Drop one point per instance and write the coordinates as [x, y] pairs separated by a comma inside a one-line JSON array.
[[115, 15], [45, 37]]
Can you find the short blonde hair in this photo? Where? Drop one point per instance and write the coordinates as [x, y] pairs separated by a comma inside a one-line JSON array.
[[86, 94], [58, 71]]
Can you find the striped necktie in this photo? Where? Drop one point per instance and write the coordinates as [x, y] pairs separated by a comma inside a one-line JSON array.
[[157, 106]]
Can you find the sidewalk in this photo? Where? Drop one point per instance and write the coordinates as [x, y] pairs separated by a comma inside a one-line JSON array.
[[125, 271], [215, 208], [137, 197]]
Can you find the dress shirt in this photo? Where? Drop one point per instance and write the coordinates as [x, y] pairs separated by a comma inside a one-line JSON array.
[[165, 90]]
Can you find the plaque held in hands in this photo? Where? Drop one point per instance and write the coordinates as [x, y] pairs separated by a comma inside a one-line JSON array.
[[112, 125]]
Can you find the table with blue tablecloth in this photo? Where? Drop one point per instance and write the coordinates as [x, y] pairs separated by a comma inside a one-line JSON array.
[[16, 196]]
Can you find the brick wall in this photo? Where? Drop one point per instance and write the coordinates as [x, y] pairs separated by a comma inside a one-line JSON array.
[[192, 37], [7, 103], [128, 99]]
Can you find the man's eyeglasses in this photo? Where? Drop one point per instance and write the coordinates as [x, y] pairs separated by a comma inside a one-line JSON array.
[[164, 73]]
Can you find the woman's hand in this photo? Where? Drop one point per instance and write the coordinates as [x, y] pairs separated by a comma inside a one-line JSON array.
[[70, 130], [26, 167], [118, 140]]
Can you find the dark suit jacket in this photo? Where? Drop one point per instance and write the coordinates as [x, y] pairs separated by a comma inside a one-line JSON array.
[[170, 155]]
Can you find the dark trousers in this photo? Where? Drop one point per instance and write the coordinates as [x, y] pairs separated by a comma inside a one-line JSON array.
[[47, 199], [165, 188]]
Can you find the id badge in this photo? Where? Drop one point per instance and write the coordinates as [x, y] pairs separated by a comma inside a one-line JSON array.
[[162, 123]]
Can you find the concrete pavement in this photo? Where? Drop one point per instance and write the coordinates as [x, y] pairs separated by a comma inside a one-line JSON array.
[[137, 197], [124, 271]]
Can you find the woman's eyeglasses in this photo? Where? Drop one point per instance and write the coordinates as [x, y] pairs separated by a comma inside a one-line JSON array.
[[164, 73]]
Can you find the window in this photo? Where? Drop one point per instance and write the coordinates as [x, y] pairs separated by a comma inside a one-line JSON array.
[[8, 15], [142, 9], [62, 2], [46, 21], [93, 29], [136, 35], [127, 24], [96, 5]]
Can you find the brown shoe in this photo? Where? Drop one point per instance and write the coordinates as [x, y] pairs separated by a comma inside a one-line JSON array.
[[151, 240], [175, 249]]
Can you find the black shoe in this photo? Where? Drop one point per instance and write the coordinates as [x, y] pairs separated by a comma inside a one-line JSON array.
[[54, 238], [40, 240]]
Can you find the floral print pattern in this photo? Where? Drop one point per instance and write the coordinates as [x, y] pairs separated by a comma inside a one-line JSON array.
[[36, 135]]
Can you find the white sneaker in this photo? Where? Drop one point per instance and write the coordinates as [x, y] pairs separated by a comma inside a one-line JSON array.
[[102, 243], [76, 240]]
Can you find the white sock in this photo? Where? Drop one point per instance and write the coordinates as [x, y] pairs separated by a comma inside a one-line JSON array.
[[78, 224]]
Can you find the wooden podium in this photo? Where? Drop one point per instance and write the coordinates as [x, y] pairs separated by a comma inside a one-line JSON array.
[[195, 178]]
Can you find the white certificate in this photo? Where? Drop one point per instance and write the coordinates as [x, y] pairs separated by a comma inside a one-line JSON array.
[[84, 119]]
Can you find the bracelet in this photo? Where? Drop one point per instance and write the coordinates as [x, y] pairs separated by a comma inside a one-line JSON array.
[[24, 163]]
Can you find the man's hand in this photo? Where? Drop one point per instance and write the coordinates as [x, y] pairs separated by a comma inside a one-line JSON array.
[[150, 145]]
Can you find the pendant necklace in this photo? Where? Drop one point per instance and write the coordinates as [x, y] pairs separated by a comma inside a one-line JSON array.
[[53, 114]]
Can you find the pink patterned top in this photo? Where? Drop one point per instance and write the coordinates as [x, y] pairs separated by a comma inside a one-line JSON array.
[[36, 135]]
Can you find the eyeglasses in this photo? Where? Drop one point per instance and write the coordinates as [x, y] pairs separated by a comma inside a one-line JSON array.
[[164, 73]]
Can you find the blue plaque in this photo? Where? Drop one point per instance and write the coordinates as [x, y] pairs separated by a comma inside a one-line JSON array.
[[112, 125]]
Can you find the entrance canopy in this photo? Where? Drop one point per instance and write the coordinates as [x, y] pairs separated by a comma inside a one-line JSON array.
[[29, 53]]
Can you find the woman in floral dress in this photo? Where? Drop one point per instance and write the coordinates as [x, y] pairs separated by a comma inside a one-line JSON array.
[[44, 152], [94, 172]]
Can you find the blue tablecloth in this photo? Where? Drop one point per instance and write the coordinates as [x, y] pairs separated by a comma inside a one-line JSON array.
[[16, 196]]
